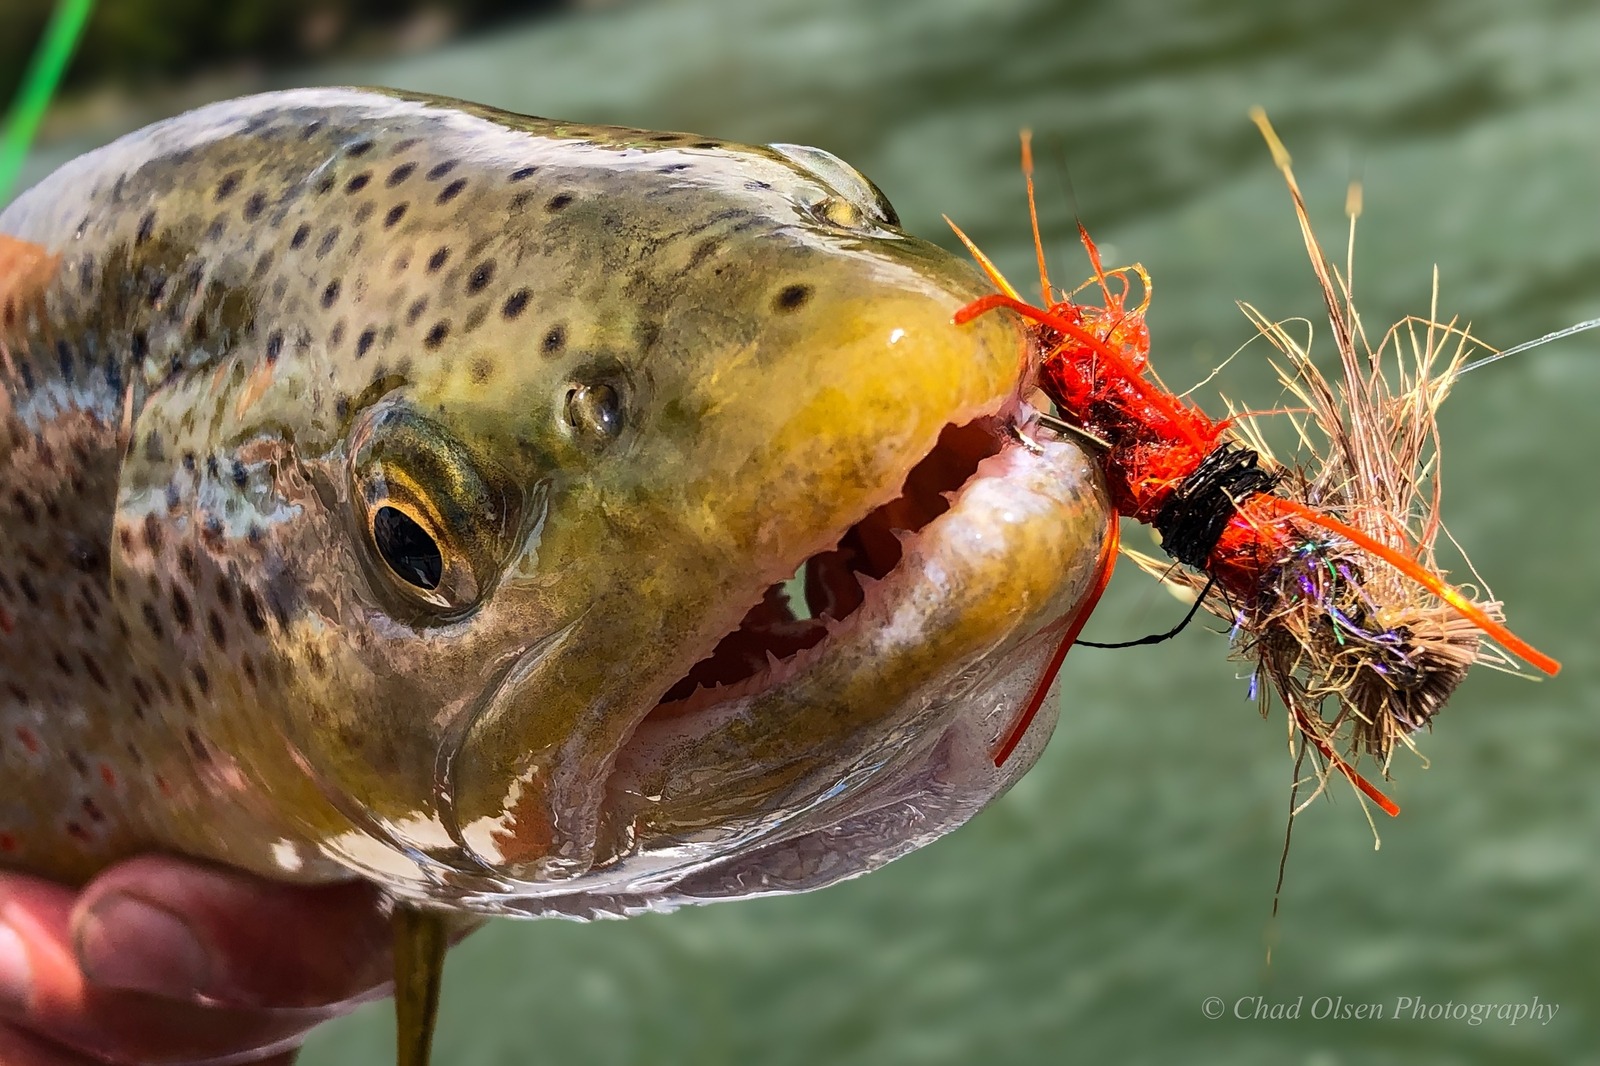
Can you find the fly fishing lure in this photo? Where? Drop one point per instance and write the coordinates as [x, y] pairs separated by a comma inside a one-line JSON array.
[[1324, 569]]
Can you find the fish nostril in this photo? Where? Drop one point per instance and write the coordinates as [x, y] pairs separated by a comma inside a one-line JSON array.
[[837, 211], [595, 412]]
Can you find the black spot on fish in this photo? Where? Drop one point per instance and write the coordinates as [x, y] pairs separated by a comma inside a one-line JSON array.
[[451, 191], [238, 474], [274, 345], [439, 170], [396, 213], [792, 298], [152, 620], [301, 235], [147, 226], [329, 239], [436, 335], [554, 340], [523, 173], [559, 201], [480, 277], [437, 260], [359, 182], [364, 342], [64, 358], [91, 666], [515, 304], [414, 312], [229, 182], [181, 612], [359, 149], [330, 294], [254, 206], [400, 174]]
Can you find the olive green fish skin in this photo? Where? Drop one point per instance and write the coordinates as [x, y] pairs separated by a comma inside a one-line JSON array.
[[573, 354]]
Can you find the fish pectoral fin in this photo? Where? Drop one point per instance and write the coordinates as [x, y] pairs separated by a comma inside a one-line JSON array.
[[420, 939]]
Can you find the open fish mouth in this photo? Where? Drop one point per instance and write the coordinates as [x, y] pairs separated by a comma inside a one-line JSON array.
[[795, 617], [881, 675]]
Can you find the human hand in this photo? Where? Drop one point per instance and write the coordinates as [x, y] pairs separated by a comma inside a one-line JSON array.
[[160, 960]]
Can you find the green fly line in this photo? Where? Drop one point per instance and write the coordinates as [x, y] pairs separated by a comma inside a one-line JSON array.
[[38, 87]]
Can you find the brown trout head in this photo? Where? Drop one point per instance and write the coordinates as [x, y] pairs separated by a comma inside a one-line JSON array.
[[615, 518]]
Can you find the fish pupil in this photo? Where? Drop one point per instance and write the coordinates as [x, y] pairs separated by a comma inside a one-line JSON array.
[[407, 548]]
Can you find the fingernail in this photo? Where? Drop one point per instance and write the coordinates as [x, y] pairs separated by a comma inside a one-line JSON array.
[[16, 973], [129, 943]]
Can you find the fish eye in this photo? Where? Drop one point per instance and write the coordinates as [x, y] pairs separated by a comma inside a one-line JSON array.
[[431, 516], [410, 552], [594, 412]]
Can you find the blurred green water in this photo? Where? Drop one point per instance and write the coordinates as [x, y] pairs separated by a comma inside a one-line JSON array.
[[1089, 914]]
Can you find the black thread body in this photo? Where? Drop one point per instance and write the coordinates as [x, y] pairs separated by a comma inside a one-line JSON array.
[[1194, 516]]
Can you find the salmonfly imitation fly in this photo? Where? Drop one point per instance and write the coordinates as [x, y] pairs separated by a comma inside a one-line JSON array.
[[1324, 569]]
